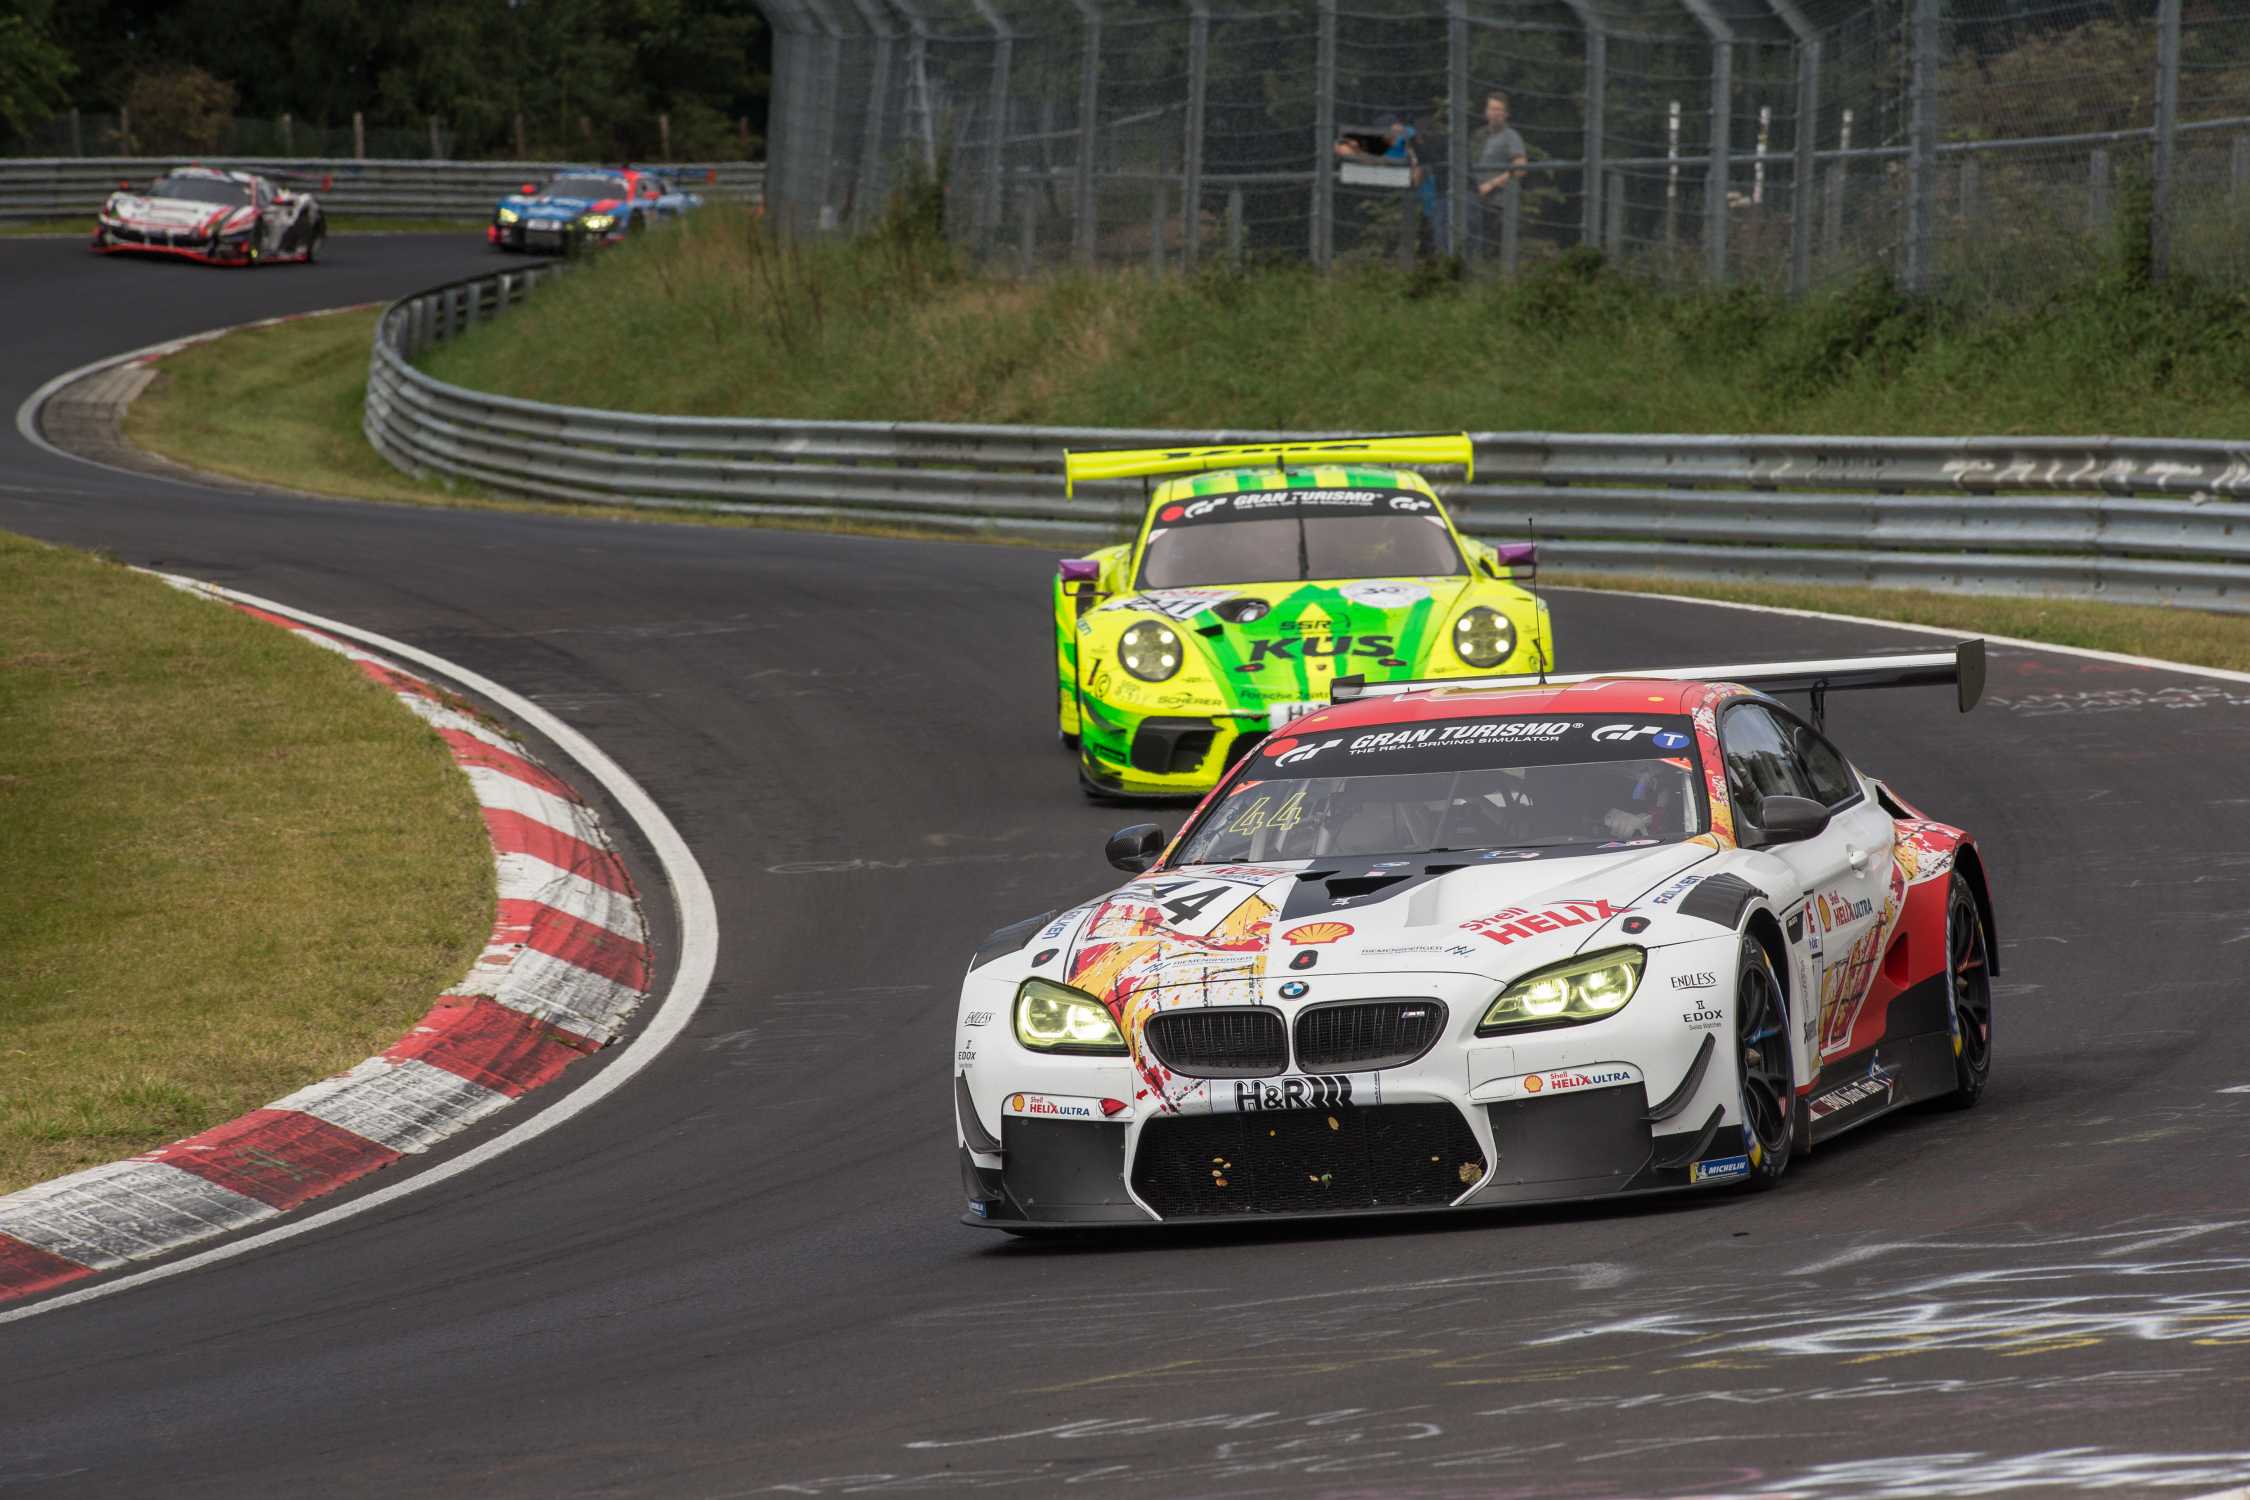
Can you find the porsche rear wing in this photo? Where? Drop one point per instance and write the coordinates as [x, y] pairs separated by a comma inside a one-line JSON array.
[[1962, 667], [1411, 449]]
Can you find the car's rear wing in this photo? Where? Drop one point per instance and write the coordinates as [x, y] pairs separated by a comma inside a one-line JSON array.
[[1962, 667], [1415, 450]]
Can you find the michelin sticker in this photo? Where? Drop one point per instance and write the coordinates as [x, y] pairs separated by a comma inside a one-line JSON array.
[[1719, 1169]]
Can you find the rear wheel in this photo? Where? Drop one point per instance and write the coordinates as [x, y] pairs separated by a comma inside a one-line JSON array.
[[1968, 974], [1769, 1090]]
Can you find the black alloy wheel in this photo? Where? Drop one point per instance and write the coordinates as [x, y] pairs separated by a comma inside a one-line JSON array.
[[1968, 977], [1769, 1090]]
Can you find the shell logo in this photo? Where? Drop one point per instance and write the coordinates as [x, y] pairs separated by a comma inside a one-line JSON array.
[[1533, 1084], [1015, 1102], [1318, 932]]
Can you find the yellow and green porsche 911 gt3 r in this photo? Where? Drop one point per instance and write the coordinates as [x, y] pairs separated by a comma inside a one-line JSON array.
[[1258, 577]]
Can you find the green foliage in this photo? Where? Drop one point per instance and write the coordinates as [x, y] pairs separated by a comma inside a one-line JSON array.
[[182, 106], [588, 77], [1865, 330], [34, 74]]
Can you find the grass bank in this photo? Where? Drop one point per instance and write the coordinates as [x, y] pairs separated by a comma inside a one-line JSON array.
[[716, 319], [278, 405], [229, 864]]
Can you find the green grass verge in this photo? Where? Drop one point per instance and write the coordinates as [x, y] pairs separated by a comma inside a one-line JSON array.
[[229, 864], [278, 405]]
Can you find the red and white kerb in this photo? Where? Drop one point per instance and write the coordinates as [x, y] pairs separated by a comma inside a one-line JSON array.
[[567, 962]]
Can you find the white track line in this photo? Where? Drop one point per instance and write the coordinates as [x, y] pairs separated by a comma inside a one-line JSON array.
[[699, 952], [2223, 674]]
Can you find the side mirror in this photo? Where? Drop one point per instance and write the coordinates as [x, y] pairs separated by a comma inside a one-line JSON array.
[[1791, 820], [531, 190], [1081, 580], [1518, 554], [1136, 848]]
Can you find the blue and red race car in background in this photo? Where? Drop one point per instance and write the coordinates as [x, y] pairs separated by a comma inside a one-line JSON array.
[[580, 206]]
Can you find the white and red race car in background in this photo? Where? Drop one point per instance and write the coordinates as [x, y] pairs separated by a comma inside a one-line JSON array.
[[208, 214], [1475, 942]]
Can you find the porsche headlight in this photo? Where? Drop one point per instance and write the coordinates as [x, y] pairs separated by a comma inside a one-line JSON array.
[[596, 223], [1053, 1017], [1150, 651], [1584, 989], [508, 216], [1483, 637]]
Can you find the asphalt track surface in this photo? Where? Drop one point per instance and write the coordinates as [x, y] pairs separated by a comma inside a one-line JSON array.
[[744, 1270]]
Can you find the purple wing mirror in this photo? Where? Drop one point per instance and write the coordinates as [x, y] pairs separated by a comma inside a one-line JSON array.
[[1081, 579], [1518, 554]]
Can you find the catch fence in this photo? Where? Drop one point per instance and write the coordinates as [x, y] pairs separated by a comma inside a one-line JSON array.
[[1977, 143]]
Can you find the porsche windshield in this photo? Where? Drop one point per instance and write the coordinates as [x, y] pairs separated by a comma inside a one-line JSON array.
[[202, 189], [595, 188], [1270, 536], [1457, 785]]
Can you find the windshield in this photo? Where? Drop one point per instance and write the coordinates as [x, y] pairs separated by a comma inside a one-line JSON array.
[[201, 189], [1462, 784], [584, 187], [1272, 536]]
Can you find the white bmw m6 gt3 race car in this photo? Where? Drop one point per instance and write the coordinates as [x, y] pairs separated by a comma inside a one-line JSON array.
[[1488, 942]]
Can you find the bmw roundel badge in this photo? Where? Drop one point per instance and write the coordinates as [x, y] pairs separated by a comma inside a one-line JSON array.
[[1294, 989]]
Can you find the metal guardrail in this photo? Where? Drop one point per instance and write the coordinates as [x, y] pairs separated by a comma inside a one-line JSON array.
[[2129, 520], [67, 187]]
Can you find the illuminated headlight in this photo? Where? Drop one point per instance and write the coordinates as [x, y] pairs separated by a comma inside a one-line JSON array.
[[509, 216], [1584, 989], [1150, 651], [1483, 637], [1053, 1017], [596, 223]]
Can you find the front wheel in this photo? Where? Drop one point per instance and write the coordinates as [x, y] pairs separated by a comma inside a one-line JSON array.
[[1968, 977], [1769, 1091]]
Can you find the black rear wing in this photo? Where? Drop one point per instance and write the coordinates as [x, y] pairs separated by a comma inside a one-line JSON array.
[[1961, 667]]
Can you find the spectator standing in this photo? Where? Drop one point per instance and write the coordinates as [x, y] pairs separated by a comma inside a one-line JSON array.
[[1499, 160]]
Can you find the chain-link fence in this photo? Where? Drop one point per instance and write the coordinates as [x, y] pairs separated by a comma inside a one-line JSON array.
[[1781, 142]]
